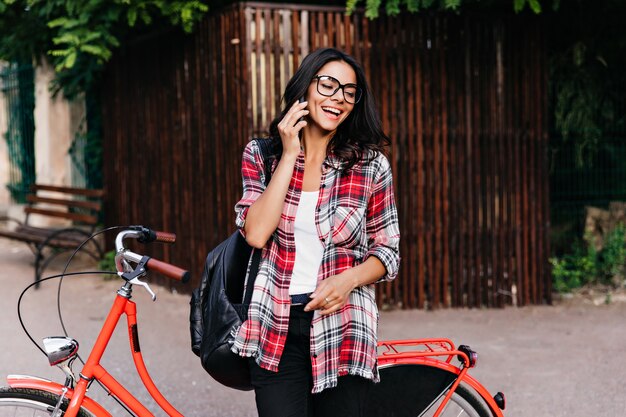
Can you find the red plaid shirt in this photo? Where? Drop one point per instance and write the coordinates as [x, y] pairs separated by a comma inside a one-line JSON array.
[[361, 207]]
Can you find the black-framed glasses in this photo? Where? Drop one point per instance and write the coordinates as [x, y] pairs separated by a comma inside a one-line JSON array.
[[328, 86]]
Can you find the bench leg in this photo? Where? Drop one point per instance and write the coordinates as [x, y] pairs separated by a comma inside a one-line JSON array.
[[38, 259], [40, 264]]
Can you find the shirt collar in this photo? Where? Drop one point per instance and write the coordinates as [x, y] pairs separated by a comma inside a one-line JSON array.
[[332, 161]]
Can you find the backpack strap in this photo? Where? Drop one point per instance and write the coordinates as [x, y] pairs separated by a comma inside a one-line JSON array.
[[267, 152], [266, 148]]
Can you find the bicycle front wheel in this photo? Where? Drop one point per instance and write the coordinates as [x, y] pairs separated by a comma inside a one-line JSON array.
[[25, 402], [414, 390]]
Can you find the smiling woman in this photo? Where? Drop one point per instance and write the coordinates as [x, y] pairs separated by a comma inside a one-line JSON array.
[[328, 226]]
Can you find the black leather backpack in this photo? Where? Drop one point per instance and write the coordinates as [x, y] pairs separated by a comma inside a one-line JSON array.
[[218, 304]]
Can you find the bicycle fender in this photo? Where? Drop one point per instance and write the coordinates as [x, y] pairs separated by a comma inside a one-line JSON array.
[[34, 382], [446, 367]]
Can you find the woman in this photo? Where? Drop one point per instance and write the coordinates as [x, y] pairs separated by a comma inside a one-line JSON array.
[[328, 226]]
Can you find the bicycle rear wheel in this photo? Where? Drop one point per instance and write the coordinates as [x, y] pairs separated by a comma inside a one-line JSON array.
[[416, 390], [25, 402], [462, 404]]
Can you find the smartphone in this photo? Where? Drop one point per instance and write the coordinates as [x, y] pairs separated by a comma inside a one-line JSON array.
[[301, 100]]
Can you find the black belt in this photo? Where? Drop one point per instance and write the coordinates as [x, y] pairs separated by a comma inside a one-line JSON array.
[[300, 299]]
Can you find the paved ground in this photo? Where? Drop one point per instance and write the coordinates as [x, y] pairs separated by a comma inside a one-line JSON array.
[[565, 360]]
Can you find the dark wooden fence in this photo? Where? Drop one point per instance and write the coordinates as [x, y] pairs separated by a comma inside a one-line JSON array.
[[463, 98]]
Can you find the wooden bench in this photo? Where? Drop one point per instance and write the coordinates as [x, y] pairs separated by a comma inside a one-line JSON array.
[[80, 208]]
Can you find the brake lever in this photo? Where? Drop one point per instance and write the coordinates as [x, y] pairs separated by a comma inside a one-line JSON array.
[[136, 281], [133, 275]]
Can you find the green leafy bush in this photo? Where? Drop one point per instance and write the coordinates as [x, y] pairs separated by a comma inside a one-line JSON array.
[[586, 266], [613, 257], [107, 263], [573, 270]]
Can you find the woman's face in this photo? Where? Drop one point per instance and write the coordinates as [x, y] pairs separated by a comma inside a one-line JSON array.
[[329, 112]]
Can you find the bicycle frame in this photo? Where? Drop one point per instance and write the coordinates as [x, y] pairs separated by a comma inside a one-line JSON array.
[[426, 352], [92, 370]]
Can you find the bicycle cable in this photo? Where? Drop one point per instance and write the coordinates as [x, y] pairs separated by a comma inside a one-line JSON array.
[[60, 277], [67, 264], [19, 300]]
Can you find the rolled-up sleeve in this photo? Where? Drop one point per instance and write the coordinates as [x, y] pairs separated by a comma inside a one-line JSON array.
[[382, 226], [253, 179]]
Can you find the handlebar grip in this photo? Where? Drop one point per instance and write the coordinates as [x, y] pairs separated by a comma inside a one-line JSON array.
[[169, 270], [165, 237]]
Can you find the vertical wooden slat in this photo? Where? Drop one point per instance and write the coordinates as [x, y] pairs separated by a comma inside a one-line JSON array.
[[276, 46], [476, 163], [419, 159], [256, 74], [348, 34], [395, 98], [455, 227], [411, 168], [491, 147], [437, 237], [522, 165], [512, 256], [247, 62], [445, 154], [267, 58], [500, 257], [545, 276]]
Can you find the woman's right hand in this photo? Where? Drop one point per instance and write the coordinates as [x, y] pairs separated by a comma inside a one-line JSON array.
[[289, 128]]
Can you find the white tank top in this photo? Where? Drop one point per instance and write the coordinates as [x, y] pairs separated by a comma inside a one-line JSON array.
[[309, 248]]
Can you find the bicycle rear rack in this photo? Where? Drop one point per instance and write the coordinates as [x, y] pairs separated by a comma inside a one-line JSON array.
[[399, 351]]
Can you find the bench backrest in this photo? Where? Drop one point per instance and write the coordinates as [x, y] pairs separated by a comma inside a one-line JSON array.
[[80, 205]]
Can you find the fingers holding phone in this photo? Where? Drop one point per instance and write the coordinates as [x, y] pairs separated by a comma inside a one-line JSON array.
[[289, 127]]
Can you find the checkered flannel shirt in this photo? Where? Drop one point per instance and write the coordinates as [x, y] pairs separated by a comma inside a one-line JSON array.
[[361, 207]]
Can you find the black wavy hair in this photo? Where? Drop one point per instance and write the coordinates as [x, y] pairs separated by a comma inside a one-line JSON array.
[[362, 129]]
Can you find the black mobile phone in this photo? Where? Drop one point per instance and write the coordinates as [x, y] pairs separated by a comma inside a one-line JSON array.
[[301, 100]]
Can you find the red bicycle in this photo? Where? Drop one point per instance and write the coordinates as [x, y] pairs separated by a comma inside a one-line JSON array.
[[417, 376]]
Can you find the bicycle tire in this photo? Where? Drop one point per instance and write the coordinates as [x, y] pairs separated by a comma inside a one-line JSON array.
[[34, 402], [462, 403], [412, 390]]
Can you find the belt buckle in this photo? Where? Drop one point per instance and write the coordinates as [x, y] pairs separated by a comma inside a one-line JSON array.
[[298, 297]]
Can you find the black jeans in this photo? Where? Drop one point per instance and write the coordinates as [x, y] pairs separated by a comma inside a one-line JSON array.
[[287, 393]]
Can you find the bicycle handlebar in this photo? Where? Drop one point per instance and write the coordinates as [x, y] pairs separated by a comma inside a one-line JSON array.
[[169, 270], [146, 235], [165, 237]]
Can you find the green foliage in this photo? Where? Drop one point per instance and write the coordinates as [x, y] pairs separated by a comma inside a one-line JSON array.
[[587, 77], [534, 5], [107, 264], [585, 106], [79, 37], [574, 270], [612, 258], [394, 7], [585, 265]]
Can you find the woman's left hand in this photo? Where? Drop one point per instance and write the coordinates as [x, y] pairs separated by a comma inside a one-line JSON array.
[[331, 294]]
